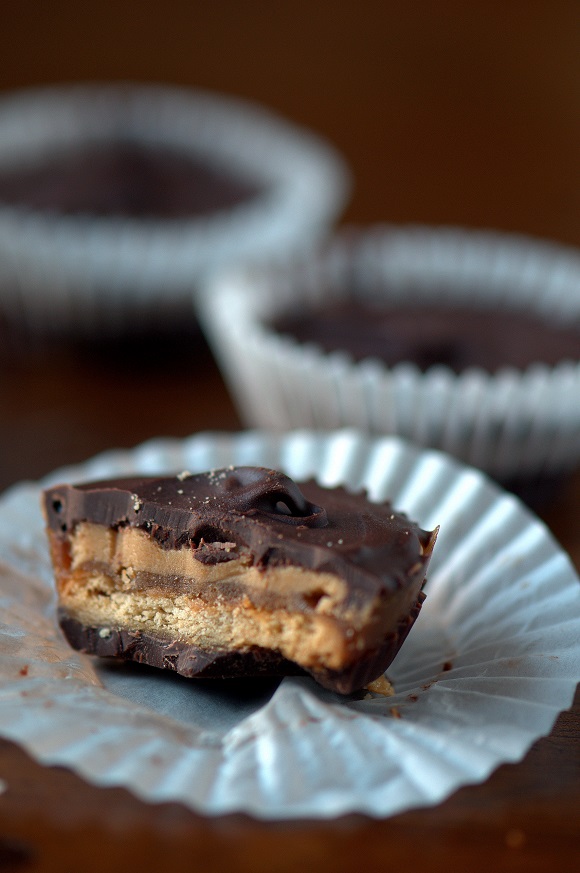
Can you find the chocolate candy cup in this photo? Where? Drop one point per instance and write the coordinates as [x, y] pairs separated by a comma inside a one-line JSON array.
[[236, 572]]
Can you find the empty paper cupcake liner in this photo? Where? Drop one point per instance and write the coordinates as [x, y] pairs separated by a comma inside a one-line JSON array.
[[491, 661], [68, 271], [511, 423]]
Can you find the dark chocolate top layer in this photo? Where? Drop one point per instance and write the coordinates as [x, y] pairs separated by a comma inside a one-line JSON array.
[[125, 179], [238, 511], [458, 337]]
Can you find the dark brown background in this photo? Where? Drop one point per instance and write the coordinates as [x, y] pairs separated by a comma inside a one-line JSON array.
[[448, 112]]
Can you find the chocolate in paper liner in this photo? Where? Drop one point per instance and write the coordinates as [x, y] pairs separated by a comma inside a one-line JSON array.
[[61, 272], [512, 424], [491, 661]]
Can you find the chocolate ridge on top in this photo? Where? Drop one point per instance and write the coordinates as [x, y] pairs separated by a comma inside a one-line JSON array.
[[258, 511]]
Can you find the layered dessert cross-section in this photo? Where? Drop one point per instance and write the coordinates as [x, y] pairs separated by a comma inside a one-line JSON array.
[[236, 572]]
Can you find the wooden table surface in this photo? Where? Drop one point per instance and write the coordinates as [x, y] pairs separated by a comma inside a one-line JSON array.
[[447, 113]]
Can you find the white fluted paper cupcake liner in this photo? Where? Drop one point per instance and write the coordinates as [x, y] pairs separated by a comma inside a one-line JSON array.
[[491, 661], [510, 423], [67, 271]]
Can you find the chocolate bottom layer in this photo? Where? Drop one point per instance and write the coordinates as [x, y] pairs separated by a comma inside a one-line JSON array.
[[193, 662]]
